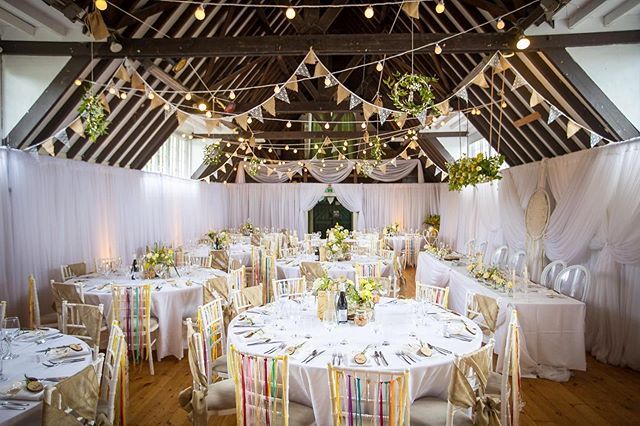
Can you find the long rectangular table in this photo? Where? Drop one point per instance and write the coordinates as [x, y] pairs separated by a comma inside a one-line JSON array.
[[552, 325]]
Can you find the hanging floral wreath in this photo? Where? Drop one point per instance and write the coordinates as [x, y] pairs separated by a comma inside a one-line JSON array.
[[474, 170], [254, 166], [94, 114], [412, 93], [212, 154]]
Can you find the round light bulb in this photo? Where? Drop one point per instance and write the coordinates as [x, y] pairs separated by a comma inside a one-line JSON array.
[[288, 124], [123, 95], [363, 125], [166, 107], [503, 104], [208, 114], [523, 43], [228, 144], [286, 147], [440, 7], [379, 67], [276, 89], [188, 96], [101, 4], [112, 90], [249, 120], [199, 13], [77, 82], [232, 95], [202, 106], [190, 136], [368, 12], [290, 13], [295, 150], [270, 150], [437, 49], [327, 81], [327, 126], [500, 24], [151, 95], [184, 135]]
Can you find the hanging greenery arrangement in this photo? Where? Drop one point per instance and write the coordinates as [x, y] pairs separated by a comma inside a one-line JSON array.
[[412, 93], [212, 154], [474, 170], [376, 150], [94, 114], [254, 166]]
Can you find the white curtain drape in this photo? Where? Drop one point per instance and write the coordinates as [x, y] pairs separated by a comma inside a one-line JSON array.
[[406, 204], [387, 172], [310, 195], [331, 171], [351, 196]]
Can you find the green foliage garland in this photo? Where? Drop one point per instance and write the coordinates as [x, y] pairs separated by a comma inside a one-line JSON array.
[[212, 153], [94, 114], [254, 166], [472, 171], [404, 89]]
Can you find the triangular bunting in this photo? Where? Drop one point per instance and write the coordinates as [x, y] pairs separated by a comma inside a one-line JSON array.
[[327, 141], [334, 149], [428, 163], [358, 167], [303, 71], [77, 127], [282, 95], [535, 99], [495, 61], [354, 101], [438, 171], [331, 80], [422, 117], [393, 161], [321, 151], [241, 120], [320, 70], [223, 168], [49, 147], [270, 106], [257, 112], [290, 174], [479, 80], [400, 118], [383, 114], [413, 145], [411, 8], [252, 141], [518, 82], [365, 137], [341, 94], [443, 176], [156, 102], [122, 74], [169, 111], [279, 173], [311, 57], [553, 114], [368, 110], [182, 117], [462, 94], [269, 171], [383, 168], [572, 128], [404, 155], [292, 84], [211, 125], [62, 136], [378, 101], [594, 138], [502, 66], [137, 82], [422, 154], [444, 107], [105, 102]]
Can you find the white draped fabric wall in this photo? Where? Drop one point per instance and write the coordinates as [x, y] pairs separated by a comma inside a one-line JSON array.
[[407, 204], [62, 211], [594, 223]]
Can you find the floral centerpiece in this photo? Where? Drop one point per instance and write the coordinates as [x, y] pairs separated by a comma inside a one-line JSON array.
[[247, 229], [336, 246], [392, 229], [432, 221], [325, 290], [362, 299], [219, 239], [474, 170], [156, 263], [491, 275], [439, 252]]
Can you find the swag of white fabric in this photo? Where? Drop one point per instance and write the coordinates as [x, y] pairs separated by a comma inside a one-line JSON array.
[[329, 171]]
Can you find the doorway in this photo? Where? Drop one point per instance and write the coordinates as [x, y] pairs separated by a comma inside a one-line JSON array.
[[325, 215]]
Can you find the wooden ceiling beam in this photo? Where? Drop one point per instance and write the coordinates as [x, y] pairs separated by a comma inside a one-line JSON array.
[[290, 135]]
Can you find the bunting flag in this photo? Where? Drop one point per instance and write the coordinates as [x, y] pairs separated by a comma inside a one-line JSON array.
[[495, 61], [292, 84], [321, 151], [77, 127], [413, 145], [156, 102], [49, 147], [428, 163], [169, 112], [279, 173], [422, 154], [443, 176], [553, 114], [412, 9], [518, 82], [211, 125], [334, 149], [290, 175], [444, 107], [282, 95], [320, 70], [368, 110], [257, 112], [502, 66], [393, 161], [383, 114], [572, 128], [311, 57], [215, 174], [378, 101], [269, 171], [462, 94], [247, 149], [365, 136], [438, 171], [252, 141], [105, 103], [422, 117], [535, 99], [137, 82], [327, 141], [479, 80], [270, 106], [354, 101], [331, 80], [594, 138], [400, 119], [122, 74], [383, 168], [341, 94], [223, 168], [241, 120], [404, 155], [62, 136], [303, 71], [182, 117]]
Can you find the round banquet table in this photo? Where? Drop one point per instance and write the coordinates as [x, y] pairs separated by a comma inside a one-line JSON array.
[[290, 268], [29, 362], [172, 300], [394, 329], [239, 252]]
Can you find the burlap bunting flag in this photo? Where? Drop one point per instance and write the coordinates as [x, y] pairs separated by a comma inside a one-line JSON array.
[[479, 80], [404, 155], [156, 102], [241, 120], [400, 118], [572, 128], [49, 147], [122, 74], [182, 117], [341, 94], [311, 57], [368, 110], [383, 168], [535, 99], [411, 8], [77, 127], [137, 82], [320, 70], [270, 106], [428, 163], [211, 125], [105, 102], [292, 84]]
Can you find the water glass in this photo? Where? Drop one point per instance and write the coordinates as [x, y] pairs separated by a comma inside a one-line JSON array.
[[329, 320], [10, 329], [4, 348]]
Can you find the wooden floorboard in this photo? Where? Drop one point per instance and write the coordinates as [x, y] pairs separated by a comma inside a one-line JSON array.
[[603, 395]]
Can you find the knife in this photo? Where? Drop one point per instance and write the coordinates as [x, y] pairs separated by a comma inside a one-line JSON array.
[[12, 407], [19, 404], [266, 342], [383, 358], [315, 356]]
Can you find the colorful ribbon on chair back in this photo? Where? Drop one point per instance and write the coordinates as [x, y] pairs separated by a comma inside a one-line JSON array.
[[131, 307]]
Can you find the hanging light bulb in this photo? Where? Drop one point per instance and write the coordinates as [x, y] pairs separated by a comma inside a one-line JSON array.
[[77, 82], [202, 106], [288, 124], [437, 49], [270, 150], [295, 150], [503, 104], [346, 143], [123, 95], [187, 96], [368, 12], [166, 107], [363, 125], [101, 4], [228, 144], [208, 114], [200, 13], [249, 120], [379, 67], [191, 136], [259, 147], [184, 135], [286, 147], [112, 90], [500, 24], [523, 42], [232, 95], [290, 13], [327, 81], [440, 6], [150, 95], [327, 126]]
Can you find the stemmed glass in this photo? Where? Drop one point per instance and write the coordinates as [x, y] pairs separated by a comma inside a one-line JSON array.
[[4, 347], [329, 321], [10, 329]]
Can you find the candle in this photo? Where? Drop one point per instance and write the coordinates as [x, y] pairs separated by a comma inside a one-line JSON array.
[[526, 275]]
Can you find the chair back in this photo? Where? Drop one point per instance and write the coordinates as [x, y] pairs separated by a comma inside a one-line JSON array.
[[369, 397], [73, 270], [73, 400], [289, 252], [236, 280], [199, 383], [262, 388], [219, 259], [368, 269], [71, 292], [510, 391], [398, 277], [34, 304], [131, 308], [247, 298], [108, 264], [211, 328], [201, 261], [266, 273], [83, 321], [215, 288], [387, 254], [311, 271], [432, 294], [412, 244], [483, 310], [113, 384], [293, 288], [482, 248], [518, 262], [573, 281], [322, 252], [470, 247], [500, 257], [550, 272]]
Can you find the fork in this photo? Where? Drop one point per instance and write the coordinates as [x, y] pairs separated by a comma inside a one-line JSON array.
[[375, 357], [276, 348], [402, 357], [65, 361]]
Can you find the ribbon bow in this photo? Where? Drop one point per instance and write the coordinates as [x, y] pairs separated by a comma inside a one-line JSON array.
[[487, 410]]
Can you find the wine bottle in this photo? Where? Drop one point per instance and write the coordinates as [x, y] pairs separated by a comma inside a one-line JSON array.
[[342, 306], [134, 268]]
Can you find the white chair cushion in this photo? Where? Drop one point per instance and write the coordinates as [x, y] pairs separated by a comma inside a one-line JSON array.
[[300, 414], [221, 396], [433, 412], [220, 365], [494, 384]]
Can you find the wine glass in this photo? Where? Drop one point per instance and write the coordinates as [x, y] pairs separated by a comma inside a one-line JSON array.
[[4, 348], [11, 329], [329, 321]]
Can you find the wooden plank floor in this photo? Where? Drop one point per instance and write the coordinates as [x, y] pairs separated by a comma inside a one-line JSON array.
[[603, 395]]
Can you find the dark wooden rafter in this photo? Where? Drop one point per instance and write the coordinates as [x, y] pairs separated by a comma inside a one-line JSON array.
[[292, 135]]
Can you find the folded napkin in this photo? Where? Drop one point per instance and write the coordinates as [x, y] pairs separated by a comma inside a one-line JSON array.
[[63, 353], [18, 391]]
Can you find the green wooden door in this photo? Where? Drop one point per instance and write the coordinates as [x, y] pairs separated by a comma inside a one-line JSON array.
[[325, 216]]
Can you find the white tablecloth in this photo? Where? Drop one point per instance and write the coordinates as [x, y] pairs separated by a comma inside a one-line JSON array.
[[173, 302], [29, 362], [240, 252], [291, 268], [552, 327], [309, 383]]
